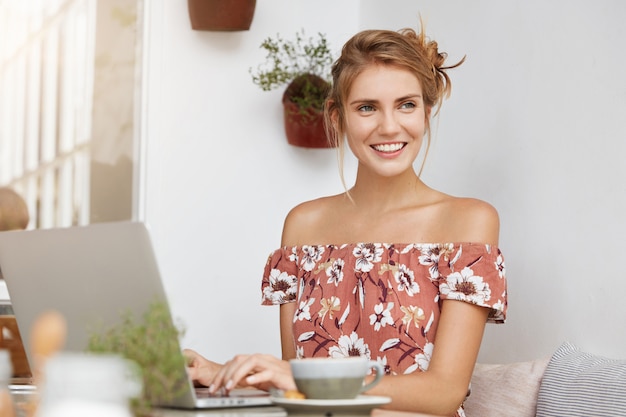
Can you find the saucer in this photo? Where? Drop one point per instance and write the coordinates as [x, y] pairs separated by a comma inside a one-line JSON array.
[[362, 404]]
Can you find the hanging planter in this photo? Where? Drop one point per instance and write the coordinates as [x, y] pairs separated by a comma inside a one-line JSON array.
[[221, 15], [304, 122], [303, 65]]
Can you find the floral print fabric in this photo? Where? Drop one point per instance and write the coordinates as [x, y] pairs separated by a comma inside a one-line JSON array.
[[381, 300]]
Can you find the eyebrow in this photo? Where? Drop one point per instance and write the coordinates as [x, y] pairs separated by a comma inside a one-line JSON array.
[[398, 100]]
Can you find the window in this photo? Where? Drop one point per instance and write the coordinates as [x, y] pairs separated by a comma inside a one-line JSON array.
[[64, 65]]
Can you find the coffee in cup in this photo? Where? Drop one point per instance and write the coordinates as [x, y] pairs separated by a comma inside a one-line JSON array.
[[334, 378]]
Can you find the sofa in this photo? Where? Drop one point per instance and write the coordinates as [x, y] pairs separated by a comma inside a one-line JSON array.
[[570, 382]]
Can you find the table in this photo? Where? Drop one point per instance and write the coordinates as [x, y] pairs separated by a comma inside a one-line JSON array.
[[272, 412], [267, 411], [21, 400]]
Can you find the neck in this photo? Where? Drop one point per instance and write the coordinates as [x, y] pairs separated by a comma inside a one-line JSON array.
[[378, 193]]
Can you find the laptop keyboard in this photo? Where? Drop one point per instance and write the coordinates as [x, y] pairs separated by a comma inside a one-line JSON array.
[[203, 392]]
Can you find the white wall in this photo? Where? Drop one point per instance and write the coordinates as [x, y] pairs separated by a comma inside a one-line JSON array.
[[220, 175], [535, 126]]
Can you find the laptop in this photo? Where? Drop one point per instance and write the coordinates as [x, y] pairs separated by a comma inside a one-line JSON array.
[[92, 275]]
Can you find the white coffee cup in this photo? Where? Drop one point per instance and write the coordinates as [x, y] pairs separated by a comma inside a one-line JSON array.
[[334, 378]]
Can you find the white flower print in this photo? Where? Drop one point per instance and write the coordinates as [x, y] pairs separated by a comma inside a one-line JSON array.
[[281, 287], [306, 336], [383, 362], [430, 258], [381, 316], [389, 343], [301, 288], [345, 315], [303, 312], [430, 322], [409, 248], [457, 256], [310, 256], [350, 346], [299, 352], [406, 280], [466, 286], [366, 255], [431, 254], [361, 291], [335, 272], [500, 266], [293, 256], [498, 312], [422, 360]]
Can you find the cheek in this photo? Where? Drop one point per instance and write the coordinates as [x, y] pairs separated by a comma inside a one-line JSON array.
[[352, 143], [360, 128], [418, 125]]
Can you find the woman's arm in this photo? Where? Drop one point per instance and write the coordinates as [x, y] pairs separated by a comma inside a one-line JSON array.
[[442, 388], [286, 330]]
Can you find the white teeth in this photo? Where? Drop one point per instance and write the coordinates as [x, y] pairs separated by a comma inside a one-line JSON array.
[[389, 147]]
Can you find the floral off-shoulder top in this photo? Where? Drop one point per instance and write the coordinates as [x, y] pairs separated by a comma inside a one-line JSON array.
[[381, 300]]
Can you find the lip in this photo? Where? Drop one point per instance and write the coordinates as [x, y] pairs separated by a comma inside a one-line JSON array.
[[389, 149]]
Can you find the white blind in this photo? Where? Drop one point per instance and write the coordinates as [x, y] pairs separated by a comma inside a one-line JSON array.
[[46, 85]]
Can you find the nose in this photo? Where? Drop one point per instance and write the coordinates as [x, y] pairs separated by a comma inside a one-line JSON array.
[[388, 124]]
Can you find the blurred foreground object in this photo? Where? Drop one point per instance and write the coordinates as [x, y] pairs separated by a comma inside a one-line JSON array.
[[13, 210], [94, 385], [6, 403]]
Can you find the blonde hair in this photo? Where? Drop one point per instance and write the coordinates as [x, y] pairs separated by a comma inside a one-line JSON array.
[[13, 210], [404, 49]]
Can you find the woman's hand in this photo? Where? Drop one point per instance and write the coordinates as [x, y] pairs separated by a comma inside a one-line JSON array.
[[258, 370], [200, 370]]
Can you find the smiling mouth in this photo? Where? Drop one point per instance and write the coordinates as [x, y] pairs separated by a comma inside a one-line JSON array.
[[389, 147]]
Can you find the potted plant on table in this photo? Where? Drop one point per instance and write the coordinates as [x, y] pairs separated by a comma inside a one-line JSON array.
[[303, 65], [151, 342]]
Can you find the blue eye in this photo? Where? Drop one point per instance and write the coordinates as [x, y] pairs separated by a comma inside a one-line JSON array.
[[408, 105], [366, 108]]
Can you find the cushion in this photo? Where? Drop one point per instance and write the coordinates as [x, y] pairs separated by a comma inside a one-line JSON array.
[[577, 383], [505, 390]]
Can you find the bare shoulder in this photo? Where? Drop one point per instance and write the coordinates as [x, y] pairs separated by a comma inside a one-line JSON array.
[[473, 220], [307, 221]]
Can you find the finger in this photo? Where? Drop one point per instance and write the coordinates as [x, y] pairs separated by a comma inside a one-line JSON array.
[[240, 367], [222, 376], [255, 370], [216, 381], [277, 375]]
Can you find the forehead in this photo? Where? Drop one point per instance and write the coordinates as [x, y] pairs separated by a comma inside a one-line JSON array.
[[379, 78]]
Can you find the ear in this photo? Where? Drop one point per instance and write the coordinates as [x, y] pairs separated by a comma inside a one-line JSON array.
[[334, 114], [427, 112]]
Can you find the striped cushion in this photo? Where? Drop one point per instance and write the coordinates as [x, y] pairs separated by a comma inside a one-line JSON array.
[[577, 383]]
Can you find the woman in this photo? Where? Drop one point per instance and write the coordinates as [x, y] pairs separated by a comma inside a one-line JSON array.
[[391, 269]]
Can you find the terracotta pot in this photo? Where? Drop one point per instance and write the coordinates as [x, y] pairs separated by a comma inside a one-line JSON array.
[[221, 15], [304, 129]]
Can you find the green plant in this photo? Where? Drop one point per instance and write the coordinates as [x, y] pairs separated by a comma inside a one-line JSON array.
[[303, 64], [152, 344]]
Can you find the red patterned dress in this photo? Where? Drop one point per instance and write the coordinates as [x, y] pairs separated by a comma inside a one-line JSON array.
[[381, 300]]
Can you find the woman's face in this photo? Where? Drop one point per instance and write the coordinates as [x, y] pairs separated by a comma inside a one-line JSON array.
[[385, 119]]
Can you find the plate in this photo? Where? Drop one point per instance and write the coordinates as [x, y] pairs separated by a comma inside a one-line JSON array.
[[362, 404]]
